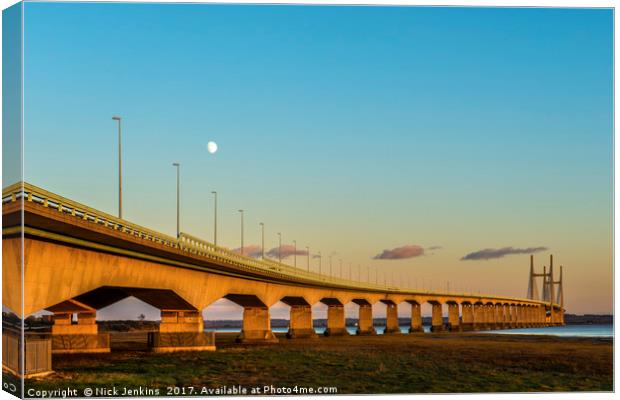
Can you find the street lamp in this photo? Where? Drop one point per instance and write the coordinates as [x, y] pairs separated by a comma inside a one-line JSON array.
[[178, 197], [280, 247], [308, 254], [120, 169], [295, 253], [241, 212], [262, 248], [320, 258], [215, 218]]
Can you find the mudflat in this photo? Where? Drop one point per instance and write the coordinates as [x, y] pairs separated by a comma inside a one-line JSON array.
[[414, 363]]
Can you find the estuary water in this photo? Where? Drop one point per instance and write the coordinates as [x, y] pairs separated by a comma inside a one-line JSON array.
[[567, 330]]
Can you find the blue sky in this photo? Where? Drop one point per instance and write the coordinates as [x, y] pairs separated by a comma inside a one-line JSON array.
[[349, 129]]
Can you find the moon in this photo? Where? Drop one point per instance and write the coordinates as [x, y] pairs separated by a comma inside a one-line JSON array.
[[211, 147]]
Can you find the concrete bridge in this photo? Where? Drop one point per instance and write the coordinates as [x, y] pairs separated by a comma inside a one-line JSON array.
[[77, 260]]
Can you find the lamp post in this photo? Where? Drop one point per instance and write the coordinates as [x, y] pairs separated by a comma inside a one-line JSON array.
[[295, 253], [120, 169], [262, 247], [308, 254], [280, 247], [320, 258], [178, 198], [215, 218], [241, 213]]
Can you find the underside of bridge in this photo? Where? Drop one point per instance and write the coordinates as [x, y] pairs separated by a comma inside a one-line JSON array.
[[180, 328]]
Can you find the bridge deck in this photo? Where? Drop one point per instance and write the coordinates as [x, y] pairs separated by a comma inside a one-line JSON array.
[[53, 217]]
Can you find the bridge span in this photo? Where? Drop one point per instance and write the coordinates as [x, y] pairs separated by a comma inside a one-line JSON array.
[[77, 260]]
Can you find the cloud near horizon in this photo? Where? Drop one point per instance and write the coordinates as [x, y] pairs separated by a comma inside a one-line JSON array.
[[488, 254], [252, 250], [287, 251], [401, 253]]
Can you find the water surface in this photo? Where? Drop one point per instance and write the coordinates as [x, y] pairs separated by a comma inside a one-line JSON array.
[[567, 330]]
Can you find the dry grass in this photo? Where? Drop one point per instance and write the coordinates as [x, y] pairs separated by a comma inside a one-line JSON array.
[[420, 363]]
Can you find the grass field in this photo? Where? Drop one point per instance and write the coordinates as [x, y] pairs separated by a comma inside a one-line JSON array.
[[420, 363]]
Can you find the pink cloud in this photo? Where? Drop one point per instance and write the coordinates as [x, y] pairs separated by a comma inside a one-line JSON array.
[[287, 251], [252, 250], [399, 253]]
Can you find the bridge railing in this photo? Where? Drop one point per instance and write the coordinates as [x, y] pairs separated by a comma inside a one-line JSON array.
[[22, 191], [31, 193], [203, 248]]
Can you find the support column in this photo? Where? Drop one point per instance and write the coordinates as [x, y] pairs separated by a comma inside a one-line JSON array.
[[491, 317], [180, 321], [499, 316], [416, 317], [500, 310], [514, 316], [300, 325], [81, 336], [520, 317], [453, 317], [468, 316], [365, 325], [508, 318], [256, 320], [256, 326], [437, 318], [479, 317], [391, 318], [336, 324]]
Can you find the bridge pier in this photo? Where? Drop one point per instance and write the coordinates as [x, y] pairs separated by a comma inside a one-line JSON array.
[[499, 316], [467, 324], [416, 317], [520, 316], [506, 311], [256, 320], [391, 318], [300, 325], [256, 326], [437, 317], [453, 317], [489, 312], [336, 324], [515, 316], [479, 317], [181, 321], [80, 337], [181, 331], [365, 321], [528, 317], [542, 316]]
